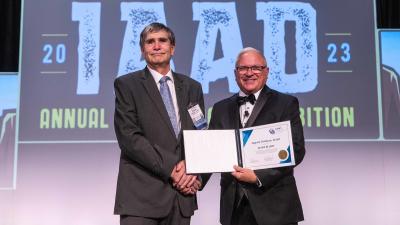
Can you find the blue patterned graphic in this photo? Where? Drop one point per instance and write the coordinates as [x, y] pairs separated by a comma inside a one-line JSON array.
[[88, 15], [274, 15], [246, 135], [137, 15], [214, 18]]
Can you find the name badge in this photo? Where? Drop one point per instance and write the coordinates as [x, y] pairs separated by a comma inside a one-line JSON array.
[[197, 116]]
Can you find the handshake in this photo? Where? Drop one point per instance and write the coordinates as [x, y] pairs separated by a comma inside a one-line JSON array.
[[184, 183]]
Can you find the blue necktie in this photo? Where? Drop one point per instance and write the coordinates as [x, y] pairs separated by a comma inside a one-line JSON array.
[[169, 105]]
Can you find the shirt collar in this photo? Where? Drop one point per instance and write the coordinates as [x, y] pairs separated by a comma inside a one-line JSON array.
[[157, 76], [241, 93]]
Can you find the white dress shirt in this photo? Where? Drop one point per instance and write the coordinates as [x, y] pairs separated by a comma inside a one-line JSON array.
[[245, 116], [170, 82], [246, 107]]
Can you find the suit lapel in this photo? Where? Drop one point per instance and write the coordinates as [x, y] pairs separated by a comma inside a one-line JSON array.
[[262, 99], [181, 90], [235, 116], [153, 92]]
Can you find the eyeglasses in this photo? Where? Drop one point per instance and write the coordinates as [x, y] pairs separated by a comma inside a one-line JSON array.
[[254, 69]]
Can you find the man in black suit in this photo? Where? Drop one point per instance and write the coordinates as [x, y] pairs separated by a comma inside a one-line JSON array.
[[151, 110], [268, 196]]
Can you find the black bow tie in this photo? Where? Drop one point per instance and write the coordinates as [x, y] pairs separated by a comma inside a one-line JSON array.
[[250, 98]]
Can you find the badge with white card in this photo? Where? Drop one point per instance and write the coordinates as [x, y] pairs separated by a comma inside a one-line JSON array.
[[198, 117]]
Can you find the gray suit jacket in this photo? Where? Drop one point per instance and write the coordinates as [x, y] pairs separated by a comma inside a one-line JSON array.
[[149, 148], [277, 202]]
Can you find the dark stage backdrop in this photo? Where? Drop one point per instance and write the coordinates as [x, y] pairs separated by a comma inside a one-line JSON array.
[[59, 156], [76, 53], [388, 16]]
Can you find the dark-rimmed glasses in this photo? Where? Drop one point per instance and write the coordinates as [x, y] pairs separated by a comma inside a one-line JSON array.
[[254, 69]]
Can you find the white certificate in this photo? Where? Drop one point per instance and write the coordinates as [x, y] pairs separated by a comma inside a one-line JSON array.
[[267, 146], [208, 151], [261, 147]]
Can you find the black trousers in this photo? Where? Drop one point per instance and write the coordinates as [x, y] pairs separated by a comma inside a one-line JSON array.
[[243, 215], [174, 218]]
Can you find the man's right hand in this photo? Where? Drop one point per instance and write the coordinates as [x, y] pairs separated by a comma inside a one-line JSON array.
[[178, 173], [186, 184]]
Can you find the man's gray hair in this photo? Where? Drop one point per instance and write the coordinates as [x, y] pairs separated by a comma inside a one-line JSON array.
[[250, 49]]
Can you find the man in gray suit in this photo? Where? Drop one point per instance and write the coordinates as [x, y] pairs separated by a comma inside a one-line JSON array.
[[151, 110], [268, 196]]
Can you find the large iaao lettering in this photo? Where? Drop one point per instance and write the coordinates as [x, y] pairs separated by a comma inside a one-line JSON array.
[[137, 15], [274, 15], [213, 18], [88, 15]]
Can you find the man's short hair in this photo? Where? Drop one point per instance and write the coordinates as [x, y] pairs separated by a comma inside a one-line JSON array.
[[250, 49], [155, 27]]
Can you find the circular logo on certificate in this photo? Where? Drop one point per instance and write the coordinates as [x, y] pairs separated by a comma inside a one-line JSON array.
[[283, 154], [271, 131]]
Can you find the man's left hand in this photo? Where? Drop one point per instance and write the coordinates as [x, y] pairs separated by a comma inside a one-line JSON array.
[[192, 189]]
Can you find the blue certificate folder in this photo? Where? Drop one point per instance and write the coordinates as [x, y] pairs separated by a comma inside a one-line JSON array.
[[260, 147]]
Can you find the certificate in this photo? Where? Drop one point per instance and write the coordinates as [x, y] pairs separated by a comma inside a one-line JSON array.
[[260, 147], [267, 146]]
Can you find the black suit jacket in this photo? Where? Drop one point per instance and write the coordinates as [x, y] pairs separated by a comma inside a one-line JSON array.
[[149, 148], [277, 202]]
